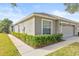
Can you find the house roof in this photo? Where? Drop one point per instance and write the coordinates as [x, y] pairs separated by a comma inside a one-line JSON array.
[[47, 16]]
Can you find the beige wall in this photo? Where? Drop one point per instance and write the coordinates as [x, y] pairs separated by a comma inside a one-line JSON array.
[[38, 25], [57, 26], [29, 26], [33, 26], [15, 28], [77, 29], [21, 27]]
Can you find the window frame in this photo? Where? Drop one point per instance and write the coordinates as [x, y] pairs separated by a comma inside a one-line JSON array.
[[42, 21]]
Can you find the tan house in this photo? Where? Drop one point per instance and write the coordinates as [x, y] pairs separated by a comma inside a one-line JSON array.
[[42, 23]]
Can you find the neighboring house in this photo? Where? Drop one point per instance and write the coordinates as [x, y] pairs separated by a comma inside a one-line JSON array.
[[42, 23]]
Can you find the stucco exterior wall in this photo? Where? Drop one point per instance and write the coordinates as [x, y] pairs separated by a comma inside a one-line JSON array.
[[29, 26], [33, 26], [20, 28], [57, 26], [77, 29], [15, 28], [38, 25]]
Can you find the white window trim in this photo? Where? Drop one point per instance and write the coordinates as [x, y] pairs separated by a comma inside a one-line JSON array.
[[42, 25]]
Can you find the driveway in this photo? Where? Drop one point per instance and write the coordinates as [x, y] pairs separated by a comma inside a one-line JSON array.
[[26, 50]]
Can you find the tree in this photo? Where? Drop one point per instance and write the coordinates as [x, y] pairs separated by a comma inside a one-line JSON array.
[[72, 7], [13, 4], [5, 25]]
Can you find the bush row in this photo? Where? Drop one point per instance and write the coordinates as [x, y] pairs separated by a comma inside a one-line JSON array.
[[21, 36], [39, 40]]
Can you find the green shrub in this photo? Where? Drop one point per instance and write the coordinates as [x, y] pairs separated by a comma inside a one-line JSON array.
[[22, 36], [39, 40]]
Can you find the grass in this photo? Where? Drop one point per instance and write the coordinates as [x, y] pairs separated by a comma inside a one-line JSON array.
[[6, 46], [71, 50]]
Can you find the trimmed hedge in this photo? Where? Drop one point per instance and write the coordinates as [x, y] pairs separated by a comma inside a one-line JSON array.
[[39, 40], [22, 36]]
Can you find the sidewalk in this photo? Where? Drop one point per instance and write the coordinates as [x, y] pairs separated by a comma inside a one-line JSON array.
[[21, 46], [26, 50]]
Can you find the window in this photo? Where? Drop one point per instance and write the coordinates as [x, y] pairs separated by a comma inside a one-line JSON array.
[[24, 29], [46, 27], [12, 28], [18, 29]]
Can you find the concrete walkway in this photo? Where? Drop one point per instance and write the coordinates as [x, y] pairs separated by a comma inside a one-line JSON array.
[[26, 50]]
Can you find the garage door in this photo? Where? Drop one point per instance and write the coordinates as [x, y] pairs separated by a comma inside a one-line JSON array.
[[67, 30]]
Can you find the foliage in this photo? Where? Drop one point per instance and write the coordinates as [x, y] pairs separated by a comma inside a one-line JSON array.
[[22, 36], [72, 7], [39, 40], [6, 46], [5, 25], [13, 4]]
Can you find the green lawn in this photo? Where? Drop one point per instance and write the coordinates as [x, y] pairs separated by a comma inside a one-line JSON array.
[[6, 46], [71, 50]]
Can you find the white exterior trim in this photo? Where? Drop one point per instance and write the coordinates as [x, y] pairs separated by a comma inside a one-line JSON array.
[[63, 22], [42, 25], [60, 28]]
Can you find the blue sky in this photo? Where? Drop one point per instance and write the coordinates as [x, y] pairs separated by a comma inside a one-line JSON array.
[[17, 13]]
